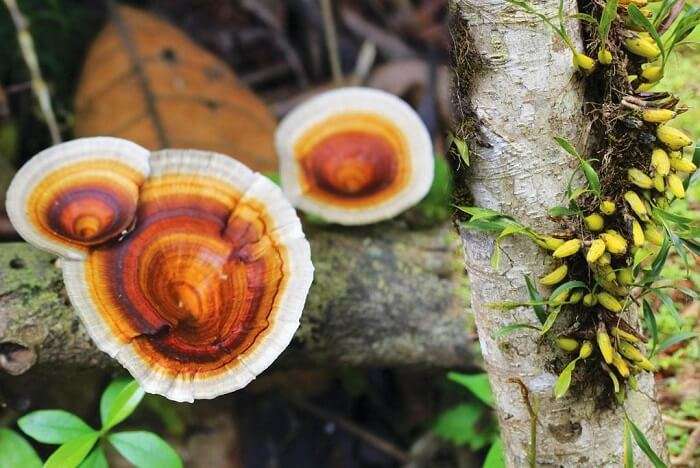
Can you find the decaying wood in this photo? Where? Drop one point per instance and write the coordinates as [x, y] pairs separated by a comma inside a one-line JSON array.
[[381, 296], [524, 92]]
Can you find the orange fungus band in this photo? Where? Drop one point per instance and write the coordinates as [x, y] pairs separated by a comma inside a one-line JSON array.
[[87, 207], [198, 284], [353, 160]]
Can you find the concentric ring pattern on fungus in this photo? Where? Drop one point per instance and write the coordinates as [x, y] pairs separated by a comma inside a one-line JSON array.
[[207, 289], [354, 156], [77, 194]]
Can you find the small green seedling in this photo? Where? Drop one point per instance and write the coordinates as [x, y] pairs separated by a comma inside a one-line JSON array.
[[82, 446]]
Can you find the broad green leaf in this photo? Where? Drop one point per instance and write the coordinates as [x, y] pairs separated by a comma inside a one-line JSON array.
[[676, 338], [463, 425], [650, 321], [551, 318], [628, 449], [70, 454], [495, 458], [512, 328], [96, 459], [640, 20], [123, 404], [145, 449], [643, 444], [110, 393], [536, 298], [478, 384], [15, 451], [53, 426], [564, 380]]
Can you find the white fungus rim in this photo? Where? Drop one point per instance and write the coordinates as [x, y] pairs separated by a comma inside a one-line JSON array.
[[353, 100]]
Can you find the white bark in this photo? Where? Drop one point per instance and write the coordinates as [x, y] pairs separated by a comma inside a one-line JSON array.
[[525, 94]]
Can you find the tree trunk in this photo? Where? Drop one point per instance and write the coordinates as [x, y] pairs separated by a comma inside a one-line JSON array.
[[517, 89]]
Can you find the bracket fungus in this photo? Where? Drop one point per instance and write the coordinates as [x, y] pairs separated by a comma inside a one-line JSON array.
[[354, 156], [207, 287]]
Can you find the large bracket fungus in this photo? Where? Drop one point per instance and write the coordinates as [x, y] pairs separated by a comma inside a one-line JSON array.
[[200, 289], [354, 156]]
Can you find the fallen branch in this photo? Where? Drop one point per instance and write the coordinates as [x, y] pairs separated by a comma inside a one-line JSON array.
[[381, 296]]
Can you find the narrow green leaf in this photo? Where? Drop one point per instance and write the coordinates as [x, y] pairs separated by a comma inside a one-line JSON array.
[[124, 404], [15, 451], [53, 426], [591, 177], [640, 20], [628, 450], [568, 286], [658, 262], [560, 212], [96, 459], [564, 380], [585, 17], [643, 444], [145, 449], [462, 150], [551, 318], [512, 328], [670, 305], [478, 384], [495, 458], [606, 18], [496, 255], [676, 338], [650, 321], [536, 298], [639, 256], [568, 147], [70, 454], [275, 177]]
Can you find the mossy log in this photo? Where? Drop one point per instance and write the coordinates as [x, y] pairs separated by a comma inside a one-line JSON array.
[[382, 296]]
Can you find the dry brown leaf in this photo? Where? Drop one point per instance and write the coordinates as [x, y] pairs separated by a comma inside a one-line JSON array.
[[146, 81]]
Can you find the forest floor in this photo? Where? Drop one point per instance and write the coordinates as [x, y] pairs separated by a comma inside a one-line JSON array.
[[345, 417]]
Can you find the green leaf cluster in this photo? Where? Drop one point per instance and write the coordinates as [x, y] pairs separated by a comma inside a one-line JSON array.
[[82, 446]]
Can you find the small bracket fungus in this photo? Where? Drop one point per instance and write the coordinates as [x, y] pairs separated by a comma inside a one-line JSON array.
[[354, 156], [77, 194], [207, 288]]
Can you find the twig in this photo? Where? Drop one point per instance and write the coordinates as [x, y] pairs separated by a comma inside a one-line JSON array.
[[525, 394], [672, 15], [41, 91], [331, 41], [352, 428], [365, 60], [684, 423]]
